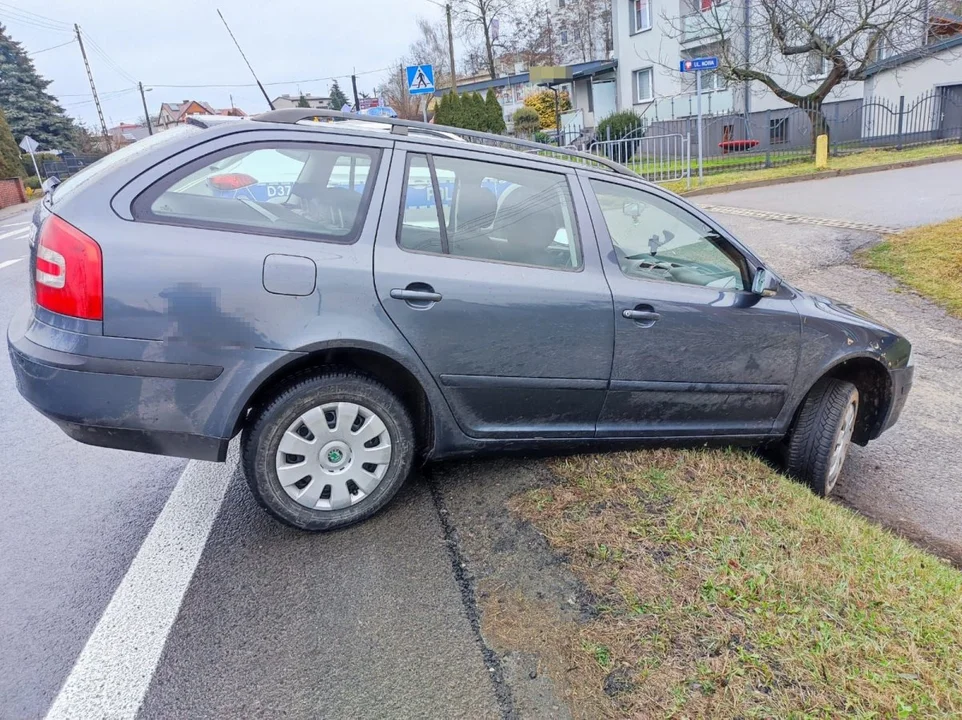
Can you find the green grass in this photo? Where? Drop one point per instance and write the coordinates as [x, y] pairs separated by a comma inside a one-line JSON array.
[[928, 259], [722, 589], [867, 158]]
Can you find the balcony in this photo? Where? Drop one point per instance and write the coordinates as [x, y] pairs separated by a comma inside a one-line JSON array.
[[701, 28]]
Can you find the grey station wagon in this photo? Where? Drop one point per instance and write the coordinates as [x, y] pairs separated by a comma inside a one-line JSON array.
[[353, 297]]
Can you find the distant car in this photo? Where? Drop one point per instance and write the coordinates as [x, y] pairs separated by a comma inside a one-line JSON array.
[[380, 111], [354, 297]]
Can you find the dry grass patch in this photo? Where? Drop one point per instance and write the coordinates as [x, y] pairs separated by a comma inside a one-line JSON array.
[[726, 590], [927, 259]]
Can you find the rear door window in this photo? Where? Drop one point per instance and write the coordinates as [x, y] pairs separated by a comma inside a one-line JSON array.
[[489, 211], [284, 189]]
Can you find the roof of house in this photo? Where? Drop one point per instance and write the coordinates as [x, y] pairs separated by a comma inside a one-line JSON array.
[[129, 131], [578, 70], [178, 110], [918, 53]]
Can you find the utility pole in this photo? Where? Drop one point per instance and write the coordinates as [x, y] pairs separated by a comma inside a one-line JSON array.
[[357, 100], [454, 73], [143, 99], [93, 88]]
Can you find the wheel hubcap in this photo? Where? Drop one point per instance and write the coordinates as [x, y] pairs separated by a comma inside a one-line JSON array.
[[843, 439], [333, 456]]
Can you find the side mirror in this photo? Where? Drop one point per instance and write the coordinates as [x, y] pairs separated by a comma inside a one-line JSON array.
[[632, 210], [765, 283]]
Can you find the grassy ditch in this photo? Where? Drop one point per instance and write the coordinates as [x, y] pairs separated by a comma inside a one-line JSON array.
[[928, 259], [722, 589]]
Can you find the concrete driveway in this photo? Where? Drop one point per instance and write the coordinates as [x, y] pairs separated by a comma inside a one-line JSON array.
[[911, 478]]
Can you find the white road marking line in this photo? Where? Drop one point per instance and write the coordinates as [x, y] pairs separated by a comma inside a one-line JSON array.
[[803, 219], [114, 670], [15, 224], [8, 263], [14, 233]]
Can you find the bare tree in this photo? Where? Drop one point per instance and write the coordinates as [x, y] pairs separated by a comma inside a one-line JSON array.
[[534, 35], [801, 50], [431, 47], [588, 24], [475, 17]]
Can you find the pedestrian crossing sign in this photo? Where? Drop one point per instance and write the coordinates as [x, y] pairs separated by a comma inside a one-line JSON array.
[[420, 79]]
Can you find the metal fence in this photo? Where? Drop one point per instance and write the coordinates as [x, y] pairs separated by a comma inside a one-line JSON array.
[[658, 158], [66, 166], [732, 142]]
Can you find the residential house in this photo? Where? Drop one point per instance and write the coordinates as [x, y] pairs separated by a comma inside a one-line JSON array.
[[126, 133], [590, 85], [176, 113], [651, 37], [289, 101]]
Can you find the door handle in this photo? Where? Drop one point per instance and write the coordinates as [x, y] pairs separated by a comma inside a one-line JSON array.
[[642, 316], [416, 295]]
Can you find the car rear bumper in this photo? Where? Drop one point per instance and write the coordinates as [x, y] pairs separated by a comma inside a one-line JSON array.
[[901, 385], [100, 397]]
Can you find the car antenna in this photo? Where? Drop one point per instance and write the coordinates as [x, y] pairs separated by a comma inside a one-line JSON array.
[[263, 91]]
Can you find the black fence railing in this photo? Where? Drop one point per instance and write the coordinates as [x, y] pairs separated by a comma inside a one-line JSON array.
[[733, 142], [66, 166]]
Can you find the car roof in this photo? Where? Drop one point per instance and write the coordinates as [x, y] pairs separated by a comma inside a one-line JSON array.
[[334, 122]]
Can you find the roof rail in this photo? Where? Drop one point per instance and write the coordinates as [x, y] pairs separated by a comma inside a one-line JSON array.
[[402, 127]]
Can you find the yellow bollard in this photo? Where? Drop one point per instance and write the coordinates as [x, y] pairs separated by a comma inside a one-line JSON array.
[[821, 152]]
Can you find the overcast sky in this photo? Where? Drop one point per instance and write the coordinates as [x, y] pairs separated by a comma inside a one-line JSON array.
[[183, 42]]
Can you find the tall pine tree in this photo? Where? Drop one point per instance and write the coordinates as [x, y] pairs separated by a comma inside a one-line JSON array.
[[338, 98], [10, 165], [30, 110]]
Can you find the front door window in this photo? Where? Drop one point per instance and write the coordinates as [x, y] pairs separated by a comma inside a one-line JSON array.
[[657, 240]]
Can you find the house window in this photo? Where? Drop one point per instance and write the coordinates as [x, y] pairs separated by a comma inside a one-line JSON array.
[[642, 84], [820, 65], [640, 15], [564, 37], [577, 34], [883, 48], [778, 131], [561, 4]]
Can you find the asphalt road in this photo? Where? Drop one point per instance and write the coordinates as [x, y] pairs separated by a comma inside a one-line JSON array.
[[156, 588]]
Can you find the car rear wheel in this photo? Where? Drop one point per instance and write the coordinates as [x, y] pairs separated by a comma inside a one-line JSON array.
[[822, 435], [328, 451]]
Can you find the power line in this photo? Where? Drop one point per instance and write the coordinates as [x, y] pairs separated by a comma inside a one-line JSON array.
[[29, 18], [37, 52], [278, 82], [109, 60], [50, 20]]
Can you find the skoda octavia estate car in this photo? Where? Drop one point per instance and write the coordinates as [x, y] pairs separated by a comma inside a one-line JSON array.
[[351, 300]]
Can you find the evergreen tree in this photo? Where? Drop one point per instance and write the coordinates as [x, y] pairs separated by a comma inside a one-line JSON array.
[[338, 98], [494, 113], [30, 110], [10, 165], [473, 117], [302, 102]]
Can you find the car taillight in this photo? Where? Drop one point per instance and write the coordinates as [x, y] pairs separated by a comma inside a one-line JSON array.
[[231, 181], [69, 273]]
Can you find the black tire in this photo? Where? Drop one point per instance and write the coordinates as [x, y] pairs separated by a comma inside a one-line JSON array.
[[262, 437], [816, 432]]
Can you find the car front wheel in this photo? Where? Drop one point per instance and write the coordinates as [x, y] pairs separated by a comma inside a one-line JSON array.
[[819, 442], [328, 451]]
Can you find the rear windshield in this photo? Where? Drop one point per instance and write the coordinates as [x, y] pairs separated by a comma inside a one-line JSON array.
[[118, 158]]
